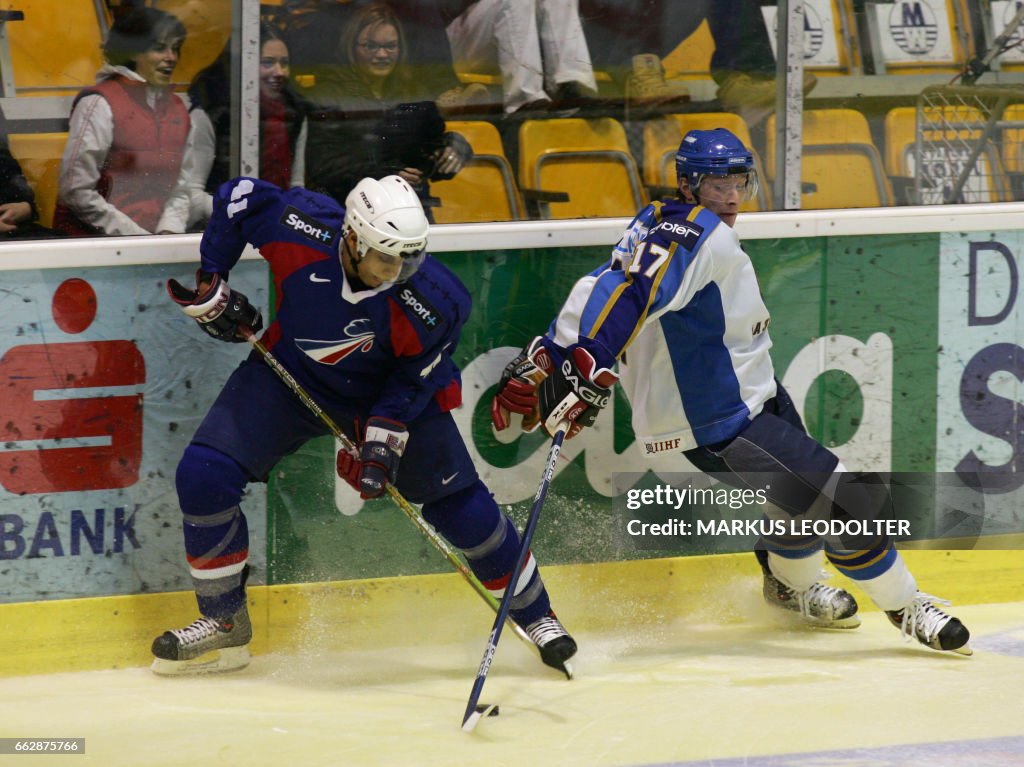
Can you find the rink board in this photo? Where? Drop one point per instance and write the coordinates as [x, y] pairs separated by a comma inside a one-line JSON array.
[[116, 632]]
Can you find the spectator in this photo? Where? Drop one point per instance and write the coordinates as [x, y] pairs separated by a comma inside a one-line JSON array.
[[537, 46], [128, 134], [314, 29], [358, 128], [18, 213], [282, 130], [742, 63]]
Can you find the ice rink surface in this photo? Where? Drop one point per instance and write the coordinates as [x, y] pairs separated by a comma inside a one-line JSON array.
[[702, 691]]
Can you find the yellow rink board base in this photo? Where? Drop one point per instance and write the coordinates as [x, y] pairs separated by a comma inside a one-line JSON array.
[[116, 632]]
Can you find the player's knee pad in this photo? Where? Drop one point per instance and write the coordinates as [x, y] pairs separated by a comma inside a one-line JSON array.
[[208, 482], [467, 518]]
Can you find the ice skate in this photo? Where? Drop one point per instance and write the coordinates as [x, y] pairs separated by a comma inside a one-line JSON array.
[[821, 606], [205, 646], [555, 645], [931, 626]]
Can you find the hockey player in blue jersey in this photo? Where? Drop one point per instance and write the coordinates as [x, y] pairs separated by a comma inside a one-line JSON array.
[[682, 296], [367, 323]]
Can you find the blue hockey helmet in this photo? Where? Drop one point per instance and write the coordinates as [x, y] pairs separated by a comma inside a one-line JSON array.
[[716, 152]]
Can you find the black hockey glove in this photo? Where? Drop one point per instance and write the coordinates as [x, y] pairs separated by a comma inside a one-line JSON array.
[[575, 392], [218, 309], [380, 454], [517, 389]]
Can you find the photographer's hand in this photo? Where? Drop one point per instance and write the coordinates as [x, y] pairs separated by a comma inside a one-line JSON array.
[[449, 162], [413, 175]]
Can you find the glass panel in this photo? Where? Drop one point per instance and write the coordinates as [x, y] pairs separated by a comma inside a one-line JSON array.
[[576, 110]]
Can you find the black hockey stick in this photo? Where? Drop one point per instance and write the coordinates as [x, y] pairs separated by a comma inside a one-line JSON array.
[[407, 508], [475, 710]]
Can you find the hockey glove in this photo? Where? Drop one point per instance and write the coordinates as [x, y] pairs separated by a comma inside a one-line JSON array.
[[379, 455], [576, 392], [517, 389], [349, 467], [219, 310]]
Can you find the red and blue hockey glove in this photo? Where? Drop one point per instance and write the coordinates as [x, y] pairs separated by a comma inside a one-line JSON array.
[[349, 467], [517, 389], [575, 392], [219, 310], [380, 454]]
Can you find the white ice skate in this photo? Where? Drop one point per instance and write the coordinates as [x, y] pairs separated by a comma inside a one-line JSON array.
[[821, 606]]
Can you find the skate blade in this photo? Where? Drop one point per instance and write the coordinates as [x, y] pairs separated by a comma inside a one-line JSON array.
[[567, 669], [965, 650], [844, 623], [214, 662]]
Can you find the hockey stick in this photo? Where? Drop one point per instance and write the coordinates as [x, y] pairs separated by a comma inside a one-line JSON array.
[[407, 508], [474, 710]]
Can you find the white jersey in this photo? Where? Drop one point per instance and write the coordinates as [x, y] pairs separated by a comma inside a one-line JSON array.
[[679, 306]]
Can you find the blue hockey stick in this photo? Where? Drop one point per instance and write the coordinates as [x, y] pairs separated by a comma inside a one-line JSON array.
[[474, 710]]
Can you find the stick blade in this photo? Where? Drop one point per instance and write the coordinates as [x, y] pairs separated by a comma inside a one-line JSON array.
[[479, 712]]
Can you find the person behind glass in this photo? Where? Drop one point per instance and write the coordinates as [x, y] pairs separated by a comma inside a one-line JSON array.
[[128, 133], [358, 103], [314, 29], [18, 213], [282, 126], [537, 46]]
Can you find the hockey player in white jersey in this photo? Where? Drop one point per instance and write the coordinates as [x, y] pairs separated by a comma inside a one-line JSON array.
[[681, 295]]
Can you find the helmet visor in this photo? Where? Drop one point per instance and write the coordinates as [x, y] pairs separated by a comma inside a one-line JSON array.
[[716, 188]]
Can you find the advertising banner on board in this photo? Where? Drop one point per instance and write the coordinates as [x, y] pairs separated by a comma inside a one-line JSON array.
[[102, 383], [901, 351]]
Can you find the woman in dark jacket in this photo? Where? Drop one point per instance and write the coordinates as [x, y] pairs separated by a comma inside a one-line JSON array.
[[374, 116]]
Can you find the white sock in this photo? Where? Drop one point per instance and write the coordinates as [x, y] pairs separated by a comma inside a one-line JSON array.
[[798, 574], [892, 590]]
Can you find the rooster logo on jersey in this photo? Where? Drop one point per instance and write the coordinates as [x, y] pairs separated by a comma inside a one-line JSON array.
[[333, 352]]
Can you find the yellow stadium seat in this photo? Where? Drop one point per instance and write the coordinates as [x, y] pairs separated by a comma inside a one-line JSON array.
[[841, 167], [1013, 140], [822, 126], [587, 159], [948, 138], [485, 189], [55, 49], [661, 141], [39, 156]]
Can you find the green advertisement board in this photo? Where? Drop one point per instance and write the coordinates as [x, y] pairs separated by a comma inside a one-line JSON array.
[[855, 337]]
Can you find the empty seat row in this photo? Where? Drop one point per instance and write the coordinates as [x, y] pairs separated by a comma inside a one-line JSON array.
[[577, 168]]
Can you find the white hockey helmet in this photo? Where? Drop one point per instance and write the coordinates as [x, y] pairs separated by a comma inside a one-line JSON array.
[[387, 215]]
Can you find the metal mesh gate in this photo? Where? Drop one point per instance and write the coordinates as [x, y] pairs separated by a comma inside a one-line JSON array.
[[969, 144]]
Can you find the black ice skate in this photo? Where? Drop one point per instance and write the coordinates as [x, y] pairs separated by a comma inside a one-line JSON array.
[[205, 646], [555, 645], [931, 626], [821, 606]]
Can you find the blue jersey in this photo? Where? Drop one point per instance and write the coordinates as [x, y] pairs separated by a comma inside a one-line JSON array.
[[381, 352], [679, 306]]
